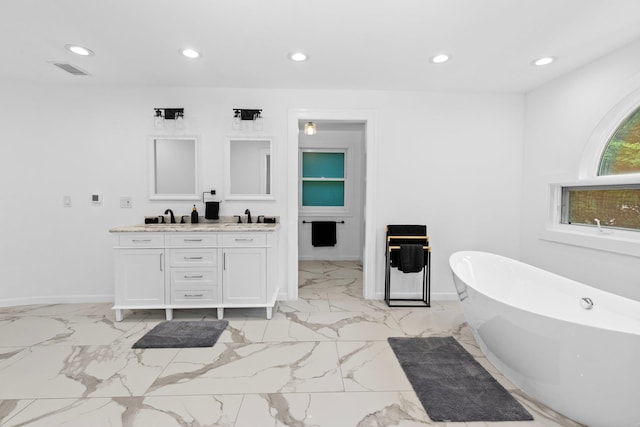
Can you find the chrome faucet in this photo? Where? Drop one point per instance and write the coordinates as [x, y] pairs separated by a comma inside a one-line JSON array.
[[248, 213], [173, 218]]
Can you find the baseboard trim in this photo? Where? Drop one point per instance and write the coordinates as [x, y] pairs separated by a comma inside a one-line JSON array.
[[57, 299]]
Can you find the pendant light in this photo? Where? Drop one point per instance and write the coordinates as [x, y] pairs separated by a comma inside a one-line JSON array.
[[310, 128]]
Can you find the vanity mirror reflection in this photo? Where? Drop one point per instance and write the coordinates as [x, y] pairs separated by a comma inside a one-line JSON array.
[[173, 168], [248, 169]]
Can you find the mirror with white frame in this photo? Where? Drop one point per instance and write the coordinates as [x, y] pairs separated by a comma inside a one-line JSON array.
[[173, 168], [249, 169]]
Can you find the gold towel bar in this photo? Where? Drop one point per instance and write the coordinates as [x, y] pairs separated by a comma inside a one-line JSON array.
[[389, 238], [426, 248]]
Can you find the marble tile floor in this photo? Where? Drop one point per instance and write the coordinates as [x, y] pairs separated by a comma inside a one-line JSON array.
[[320, 361]]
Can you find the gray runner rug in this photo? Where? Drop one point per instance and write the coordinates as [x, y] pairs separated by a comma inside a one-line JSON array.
[[183, 334], [451, 384]]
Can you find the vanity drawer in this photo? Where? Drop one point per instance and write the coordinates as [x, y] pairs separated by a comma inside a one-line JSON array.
[[200, 239], [193, 257], [194, 296], [244, 239], [141, 240], [191, 276]]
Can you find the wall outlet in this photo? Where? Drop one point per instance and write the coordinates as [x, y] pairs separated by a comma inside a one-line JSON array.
[[126, 202], [66, 201]]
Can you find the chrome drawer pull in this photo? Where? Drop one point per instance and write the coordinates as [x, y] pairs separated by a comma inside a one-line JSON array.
[[193, 277], [193, 257], [141, 240], [193, 295], [193, 240], [244, 240]]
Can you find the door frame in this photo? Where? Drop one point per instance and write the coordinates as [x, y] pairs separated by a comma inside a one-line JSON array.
[[368, 117]]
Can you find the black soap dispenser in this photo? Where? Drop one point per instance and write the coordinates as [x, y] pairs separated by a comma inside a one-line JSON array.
[[194, 215]]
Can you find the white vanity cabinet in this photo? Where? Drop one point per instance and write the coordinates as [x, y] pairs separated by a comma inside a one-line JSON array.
[[192, 275], [139, 272], [244, 275], [180, 270], [244, 270]]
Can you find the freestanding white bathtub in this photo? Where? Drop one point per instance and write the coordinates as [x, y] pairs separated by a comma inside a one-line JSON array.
[[573, 347]]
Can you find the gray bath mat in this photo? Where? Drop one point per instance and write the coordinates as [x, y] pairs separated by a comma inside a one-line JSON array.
[[451, 385], [183, 334]]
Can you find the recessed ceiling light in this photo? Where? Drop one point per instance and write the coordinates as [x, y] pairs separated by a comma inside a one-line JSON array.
[[298, 56], [79, 50], [190, 53], [440, 58], [543, 61]]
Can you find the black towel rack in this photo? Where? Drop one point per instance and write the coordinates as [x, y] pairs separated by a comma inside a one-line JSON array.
[[337, 222], [407, 234], [212, 192]]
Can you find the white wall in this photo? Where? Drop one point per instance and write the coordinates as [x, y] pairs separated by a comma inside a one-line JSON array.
[[560, 119], [451, 161]]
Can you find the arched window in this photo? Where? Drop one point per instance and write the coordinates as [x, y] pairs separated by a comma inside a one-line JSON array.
[[622, 154], [605, 205]]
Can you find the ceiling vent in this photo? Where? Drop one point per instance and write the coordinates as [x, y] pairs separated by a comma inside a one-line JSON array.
[[71, 69]]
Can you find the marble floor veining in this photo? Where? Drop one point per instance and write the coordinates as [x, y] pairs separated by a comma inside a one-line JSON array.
[[322, 360]]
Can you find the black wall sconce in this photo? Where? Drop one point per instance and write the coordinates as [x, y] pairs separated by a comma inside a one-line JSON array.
[[246, 114], [243, 114], [163, 114]]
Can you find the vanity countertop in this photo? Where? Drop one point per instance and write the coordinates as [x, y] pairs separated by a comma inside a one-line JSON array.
[[196, 228]]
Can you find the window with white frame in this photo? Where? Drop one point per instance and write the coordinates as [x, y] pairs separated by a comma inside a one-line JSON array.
[[323, 180], [622, 154], [609, 206]]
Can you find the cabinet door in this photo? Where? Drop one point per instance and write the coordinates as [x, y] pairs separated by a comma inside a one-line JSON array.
[[140, 277], [244, 276]]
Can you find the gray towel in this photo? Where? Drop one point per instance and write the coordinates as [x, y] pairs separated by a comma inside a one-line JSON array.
[[411, 259]]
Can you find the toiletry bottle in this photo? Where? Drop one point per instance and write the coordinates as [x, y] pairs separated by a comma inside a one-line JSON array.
[[194, 215]]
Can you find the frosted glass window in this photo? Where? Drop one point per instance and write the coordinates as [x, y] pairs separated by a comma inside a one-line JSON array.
[[318, 193], [322, 165], [323, 179]]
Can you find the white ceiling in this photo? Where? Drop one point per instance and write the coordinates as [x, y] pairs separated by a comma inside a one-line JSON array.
[[353, 44]]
